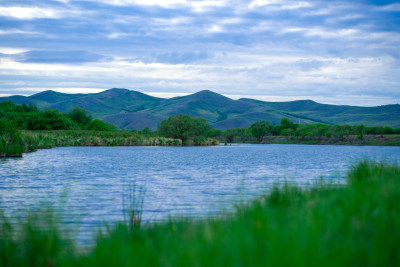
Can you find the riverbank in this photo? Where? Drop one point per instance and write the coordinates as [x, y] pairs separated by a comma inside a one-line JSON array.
[[366, 140], [29, 141], [327, 224]]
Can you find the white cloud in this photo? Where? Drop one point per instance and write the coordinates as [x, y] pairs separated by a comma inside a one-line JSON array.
[[215, 29], [296, 5], [30, 13], [69, 90], [162, 3], [322, 32], [392, 7], [12, 50], [279, 4], [16, 31], [202, 6]]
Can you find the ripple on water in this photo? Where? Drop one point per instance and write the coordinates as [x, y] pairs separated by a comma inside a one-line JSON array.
[[185, 181]]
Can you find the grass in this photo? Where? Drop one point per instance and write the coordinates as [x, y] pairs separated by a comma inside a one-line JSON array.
[[357, 224], [32, 140]]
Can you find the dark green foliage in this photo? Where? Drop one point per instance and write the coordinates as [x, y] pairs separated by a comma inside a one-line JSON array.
[[230, 135], [37, 241], [260, 129], [184, 127], [10, 139], [99, 125], [357, 224], [316, 132], [28, 117], [146, 130], [46, 120], [80, 116]]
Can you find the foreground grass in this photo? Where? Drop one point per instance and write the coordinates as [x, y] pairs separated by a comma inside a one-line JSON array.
[[328, 225]]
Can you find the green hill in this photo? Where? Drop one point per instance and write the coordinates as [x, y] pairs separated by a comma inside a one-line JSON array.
[[135, 110]]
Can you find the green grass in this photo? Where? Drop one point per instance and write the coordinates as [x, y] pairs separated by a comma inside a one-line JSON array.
[[32, 140], [28, 141], [357, 224]]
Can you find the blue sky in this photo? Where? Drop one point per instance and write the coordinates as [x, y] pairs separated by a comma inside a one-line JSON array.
[[339, 52]]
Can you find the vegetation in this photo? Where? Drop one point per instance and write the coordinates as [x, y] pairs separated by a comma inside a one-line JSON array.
[[29, 117], [33, 140], [259, 129], [313, 134], [99, 125], [10, 139], [357, 224], [19, 125], [186, 128], [80, 116]]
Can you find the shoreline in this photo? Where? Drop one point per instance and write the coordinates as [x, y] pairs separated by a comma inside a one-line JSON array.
[[34, 140], [368, 140]]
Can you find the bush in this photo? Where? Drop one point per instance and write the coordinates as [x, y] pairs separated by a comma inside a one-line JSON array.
[[80, 116], [183, 127], [99, 125], [10, 139]]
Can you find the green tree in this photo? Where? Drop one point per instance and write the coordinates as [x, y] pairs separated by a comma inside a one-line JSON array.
[[183, 127], [99, 125], [260, 129], [229, 135], [80, 116]]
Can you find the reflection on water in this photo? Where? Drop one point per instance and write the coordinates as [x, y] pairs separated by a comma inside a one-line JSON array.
[[188, 181]]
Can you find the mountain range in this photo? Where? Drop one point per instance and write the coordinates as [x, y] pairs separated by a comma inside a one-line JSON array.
[[135, 110]]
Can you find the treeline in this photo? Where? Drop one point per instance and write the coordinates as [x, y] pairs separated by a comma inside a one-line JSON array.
[[190, 130], [77, 128], [259, 130], [16, 118], [29, 117]]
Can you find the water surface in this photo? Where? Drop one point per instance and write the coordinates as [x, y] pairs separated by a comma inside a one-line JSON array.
[[186, 181]]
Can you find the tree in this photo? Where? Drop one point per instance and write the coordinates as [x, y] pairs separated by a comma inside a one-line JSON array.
[[229, 135], [80, 116], [183, 127], [99, 125], [259, 129]]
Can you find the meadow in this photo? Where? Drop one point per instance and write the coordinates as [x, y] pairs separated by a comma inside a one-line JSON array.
[[326, 224]]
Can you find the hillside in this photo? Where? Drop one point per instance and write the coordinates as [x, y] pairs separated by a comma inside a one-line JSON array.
[[134, 110]]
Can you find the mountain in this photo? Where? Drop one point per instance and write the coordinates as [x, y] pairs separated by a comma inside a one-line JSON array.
[[134, 110]]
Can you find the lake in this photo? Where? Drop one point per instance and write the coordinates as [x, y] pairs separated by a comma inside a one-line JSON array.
[[88, 184]]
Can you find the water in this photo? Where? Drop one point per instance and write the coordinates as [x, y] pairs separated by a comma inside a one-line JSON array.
[[178, 181]]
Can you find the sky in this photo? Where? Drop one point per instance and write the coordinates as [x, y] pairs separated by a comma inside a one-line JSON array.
[[335, 52]]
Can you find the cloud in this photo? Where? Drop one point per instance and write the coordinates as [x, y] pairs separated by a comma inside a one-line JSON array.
[[16, 31], [283, 48], [29, 12], [64, 57], [279, 4], [179, 57], [391, 7], [12, 50]]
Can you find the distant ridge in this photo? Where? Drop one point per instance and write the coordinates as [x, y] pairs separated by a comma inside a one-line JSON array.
[[135, 110]]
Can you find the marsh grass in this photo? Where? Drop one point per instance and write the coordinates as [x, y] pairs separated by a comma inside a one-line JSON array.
[[357, 224], [132, 204]]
